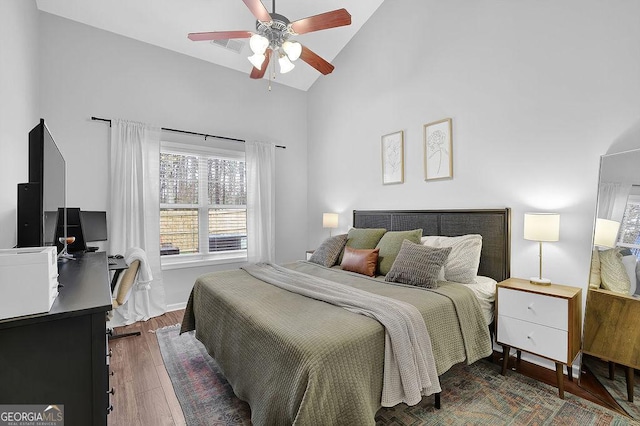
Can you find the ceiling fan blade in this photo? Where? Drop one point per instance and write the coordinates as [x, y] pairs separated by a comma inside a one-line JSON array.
[[219, 35], [316, 61], [259, 73], [259, 11], [336, 18]]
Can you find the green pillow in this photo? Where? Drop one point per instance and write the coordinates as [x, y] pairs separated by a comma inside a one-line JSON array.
[[363, 238], [390, 244]]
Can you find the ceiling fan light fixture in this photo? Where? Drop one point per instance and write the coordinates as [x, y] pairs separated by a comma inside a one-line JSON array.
[[256, 60], [293, 49], [285, 64], [258, 44]]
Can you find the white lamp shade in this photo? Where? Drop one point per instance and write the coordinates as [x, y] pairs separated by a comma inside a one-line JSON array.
[[256, 60], [293, 49], [542, 226], [329, 220], [258, 44], [285, 64], [606, 233]]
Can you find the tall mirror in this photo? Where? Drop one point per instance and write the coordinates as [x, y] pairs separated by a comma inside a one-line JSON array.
[[611, 341]]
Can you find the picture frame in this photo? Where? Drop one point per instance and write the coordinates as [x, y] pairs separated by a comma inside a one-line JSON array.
[[392, 146], [438, 150]]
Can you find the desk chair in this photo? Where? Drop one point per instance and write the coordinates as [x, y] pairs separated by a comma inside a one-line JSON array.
[[124, 289]]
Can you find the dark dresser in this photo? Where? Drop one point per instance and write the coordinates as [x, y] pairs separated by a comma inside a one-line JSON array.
[[61, 357]]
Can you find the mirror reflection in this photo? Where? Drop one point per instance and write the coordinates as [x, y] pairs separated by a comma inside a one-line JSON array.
[[611, 342]]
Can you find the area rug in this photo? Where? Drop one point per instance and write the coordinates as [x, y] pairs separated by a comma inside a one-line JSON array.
[[616, 387], [472, 395]]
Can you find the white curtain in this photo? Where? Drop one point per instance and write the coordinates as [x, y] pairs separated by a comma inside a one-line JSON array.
[[612, 200], [260, 161], [134, 206]]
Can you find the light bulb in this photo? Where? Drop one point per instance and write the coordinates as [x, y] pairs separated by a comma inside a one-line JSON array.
[[285, 64], [256, 60], [258, 44], [293, 49]]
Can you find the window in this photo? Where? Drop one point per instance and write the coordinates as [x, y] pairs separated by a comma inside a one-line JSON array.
[[203, 197], [630, 227]]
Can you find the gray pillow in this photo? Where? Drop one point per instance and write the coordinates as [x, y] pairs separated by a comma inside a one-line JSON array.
[[418, 265], [329, 251]]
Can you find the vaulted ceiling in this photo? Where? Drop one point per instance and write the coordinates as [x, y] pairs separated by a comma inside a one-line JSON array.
[[166, 23]]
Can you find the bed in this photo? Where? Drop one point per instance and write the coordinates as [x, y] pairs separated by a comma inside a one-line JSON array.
[[297, 360]]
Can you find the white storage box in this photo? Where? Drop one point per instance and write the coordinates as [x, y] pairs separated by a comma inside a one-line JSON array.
[[28, 281]]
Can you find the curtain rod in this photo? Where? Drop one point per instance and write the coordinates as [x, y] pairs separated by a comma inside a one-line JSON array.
[[106, 120]]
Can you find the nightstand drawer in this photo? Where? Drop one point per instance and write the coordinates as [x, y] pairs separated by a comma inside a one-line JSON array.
[[534, 338], [535, 308]]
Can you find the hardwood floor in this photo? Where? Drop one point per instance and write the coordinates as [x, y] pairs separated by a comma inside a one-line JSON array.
[[144, 394], [143, 391]]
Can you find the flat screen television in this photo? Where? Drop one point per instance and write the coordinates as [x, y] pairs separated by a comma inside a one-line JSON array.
[[40, 199]]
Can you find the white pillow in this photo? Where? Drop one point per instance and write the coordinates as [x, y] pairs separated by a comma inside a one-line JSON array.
[[463, 261], [613, 273]]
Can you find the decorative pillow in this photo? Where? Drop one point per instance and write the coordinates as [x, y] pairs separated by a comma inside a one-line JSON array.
[[637, 278], [462, 264], [362, 261], [390, 244], [418, 265], [329, 251], [363, 238], [594, 276], [614, 275]]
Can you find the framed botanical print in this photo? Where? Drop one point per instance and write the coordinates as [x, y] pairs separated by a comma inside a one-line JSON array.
[[393, 158], [438, 150]]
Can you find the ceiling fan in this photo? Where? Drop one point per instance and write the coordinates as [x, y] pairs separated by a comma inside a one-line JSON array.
[[273, 33]]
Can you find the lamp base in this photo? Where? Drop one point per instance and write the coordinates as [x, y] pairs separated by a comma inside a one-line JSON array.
[[540, 281]]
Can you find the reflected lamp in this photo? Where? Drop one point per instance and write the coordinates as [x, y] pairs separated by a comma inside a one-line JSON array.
[[606, 233]]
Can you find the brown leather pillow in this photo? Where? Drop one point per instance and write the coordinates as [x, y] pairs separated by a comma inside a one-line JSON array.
[[362, 261]]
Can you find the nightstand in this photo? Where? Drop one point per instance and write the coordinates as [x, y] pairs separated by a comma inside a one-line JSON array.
[[541, 320]]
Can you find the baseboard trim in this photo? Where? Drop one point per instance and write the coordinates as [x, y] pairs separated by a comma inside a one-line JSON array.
[[176, 306]]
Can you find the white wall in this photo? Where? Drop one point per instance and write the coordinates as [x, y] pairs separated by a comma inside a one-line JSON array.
[[90, 72], [18, 104], [537, 92]]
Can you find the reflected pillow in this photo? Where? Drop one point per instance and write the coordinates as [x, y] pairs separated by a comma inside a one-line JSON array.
[[362, 261], [418, 265], [464, 260], [329, 251], [612, 272], [594, 276]]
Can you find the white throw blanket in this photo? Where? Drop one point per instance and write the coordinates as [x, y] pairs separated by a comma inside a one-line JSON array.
[[409, 366], [144, 276]]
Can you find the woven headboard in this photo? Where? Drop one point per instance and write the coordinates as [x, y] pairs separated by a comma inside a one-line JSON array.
[[493, 225]]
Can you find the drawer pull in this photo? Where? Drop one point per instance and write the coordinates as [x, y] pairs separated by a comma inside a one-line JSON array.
[[110, 352], [109, 409], [530, 307], [112, 391], [530, 336]]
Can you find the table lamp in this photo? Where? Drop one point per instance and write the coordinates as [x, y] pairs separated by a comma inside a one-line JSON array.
[[541, 227], [330, 220], [606, 233]]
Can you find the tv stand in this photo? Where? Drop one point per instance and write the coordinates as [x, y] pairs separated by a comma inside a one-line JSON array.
[[61, 357]]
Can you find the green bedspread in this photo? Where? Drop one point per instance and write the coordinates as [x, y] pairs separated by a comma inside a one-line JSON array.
[[301, 361]]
